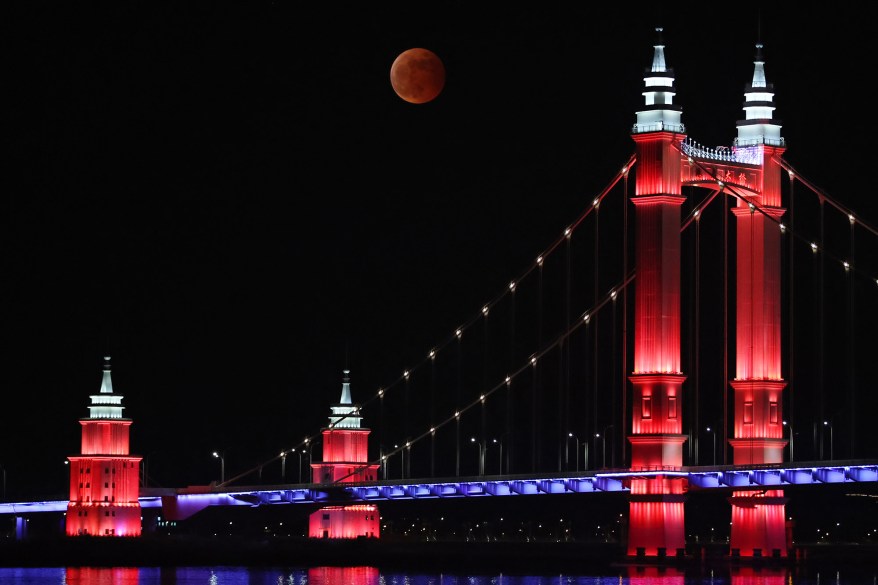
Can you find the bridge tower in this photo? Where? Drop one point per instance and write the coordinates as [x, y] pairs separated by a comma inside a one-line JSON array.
[[345, 460], [758, 522], [104, 477], [656, 519]]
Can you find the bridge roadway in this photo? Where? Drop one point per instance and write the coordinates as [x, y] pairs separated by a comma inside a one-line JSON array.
[[180, 503]]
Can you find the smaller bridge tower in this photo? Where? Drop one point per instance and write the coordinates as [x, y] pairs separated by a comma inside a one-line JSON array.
[[345, 460], [104, 477]]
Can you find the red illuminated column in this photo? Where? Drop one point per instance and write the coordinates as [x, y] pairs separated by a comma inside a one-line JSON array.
[[656, 511], [758, 518]]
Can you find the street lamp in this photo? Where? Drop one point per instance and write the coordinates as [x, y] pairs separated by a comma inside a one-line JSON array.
[[826, 423], [222, 466], [500, 458], [481, 455], [612, 446], [790, 425], [575, 438], [595, 446], [299, 452], [713, 432], [283, 466], [401, 461]]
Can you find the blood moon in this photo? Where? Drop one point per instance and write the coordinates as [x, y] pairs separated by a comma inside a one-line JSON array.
[[417, 75]]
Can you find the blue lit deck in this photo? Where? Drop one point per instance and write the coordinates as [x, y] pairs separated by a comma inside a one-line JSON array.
[[606, 481]]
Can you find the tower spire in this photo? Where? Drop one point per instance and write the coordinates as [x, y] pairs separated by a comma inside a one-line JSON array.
[[106, 403], [659, 113], [758, 125], [345, 414], [106, 380]]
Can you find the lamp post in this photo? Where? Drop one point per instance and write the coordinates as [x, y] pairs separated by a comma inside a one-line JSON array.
[[595, 447], [713, 432], [612, 446], [585, 455], [790, 425], [499, 442], [401, 461], [222, 466], [283, 466], [481, 455], [826, 423], [311, 444], [299, 452], [575, 438]]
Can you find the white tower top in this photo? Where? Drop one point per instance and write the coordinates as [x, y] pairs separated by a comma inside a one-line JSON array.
[[660, 114], [345, 414], [758, 127], [106, 404]]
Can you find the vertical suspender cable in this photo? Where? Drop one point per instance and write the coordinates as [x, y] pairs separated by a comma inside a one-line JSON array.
[[594, 395], [432, 415], [457, 407], [791, 382], [624, 377], [821, 325], [534, 456], [851, 350], [564, 402], [725, 327], [510, 420], [406, 453], [484, 403], [696, 361]]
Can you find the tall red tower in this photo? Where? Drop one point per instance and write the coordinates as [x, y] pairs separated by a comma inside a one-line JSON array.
[[758, 523], [104, 477], [656, 500], [345, 460]]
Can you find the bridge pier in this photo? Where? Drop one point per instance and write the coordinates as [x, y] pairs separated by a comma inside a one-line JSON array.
[[656, 517], [361, 520], [759, 526]]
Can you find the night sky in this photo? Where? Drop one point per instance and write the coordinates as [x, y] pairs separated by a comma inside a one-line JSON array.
[[230, 200]]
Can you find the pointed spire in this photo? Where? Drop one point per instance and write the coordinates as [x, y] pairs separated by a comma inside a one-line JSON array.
[[345, 414], [660, 114], [759, 69], [106, 380], [658, 57], [106, 403], [759, 126], [346, 388]]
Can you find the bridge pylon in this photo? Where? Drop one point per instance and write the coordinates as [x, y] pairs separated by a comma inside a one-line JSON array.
[[345, 460], [656, 509], [104, 477], [758, 518]]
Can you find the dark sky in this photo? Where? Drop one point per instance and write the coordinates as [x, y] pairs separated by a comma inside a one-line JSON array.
[[230, 200]]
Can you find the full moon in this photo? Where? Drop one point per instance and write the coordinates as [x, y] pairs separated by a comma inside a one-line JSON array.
[[417, 75]]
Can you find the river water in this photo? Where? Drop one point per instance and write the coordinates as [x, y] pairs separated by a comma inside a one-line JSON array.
[[373, 576]]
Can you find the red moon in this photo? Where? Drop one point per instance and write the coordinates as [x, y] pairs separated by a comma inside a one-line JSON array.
[[417, 75]]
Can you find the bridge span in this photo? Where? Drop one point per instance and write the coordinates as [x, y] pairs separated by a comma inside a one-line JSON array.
[[182, 503]]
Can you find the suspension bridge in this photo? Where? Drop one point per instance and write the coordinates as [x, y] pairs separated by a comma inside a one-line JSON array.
[[704, 323]]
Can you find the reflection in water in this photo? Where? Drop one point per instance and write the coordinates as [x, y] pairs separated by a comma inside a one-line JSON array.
[[102, 576], [343, 576], [654, 576], [762, 576], [221, 575]]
